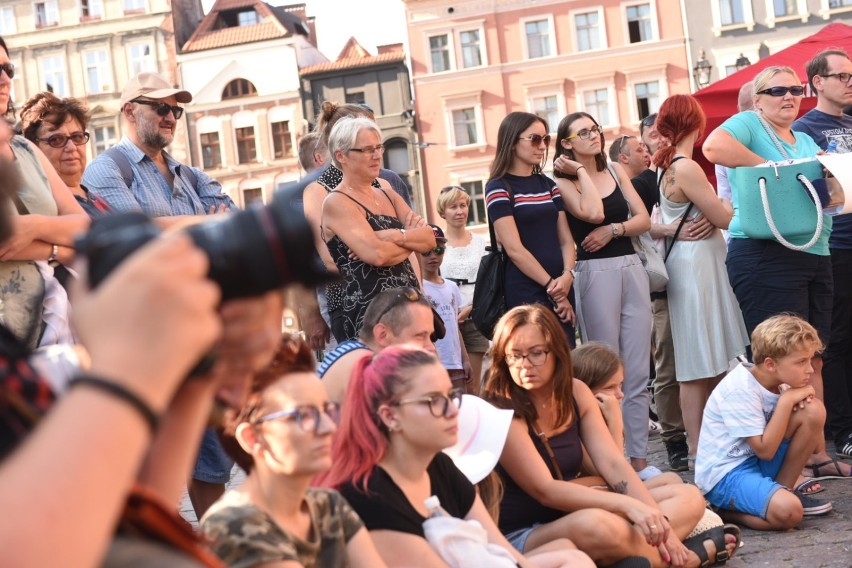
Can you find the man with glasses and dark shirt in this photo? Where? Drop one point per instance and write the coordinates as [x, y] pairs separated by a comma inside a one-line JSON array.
[[138, 174], [830, 77]]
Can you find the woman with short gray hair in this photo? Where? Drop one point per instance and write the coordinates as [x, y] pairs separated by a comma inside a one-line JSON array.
[[370, 232]]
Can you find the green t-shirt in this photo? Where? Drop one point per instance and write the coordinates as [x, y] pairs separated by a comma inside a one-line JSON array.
[[243, 535], [745, 127]]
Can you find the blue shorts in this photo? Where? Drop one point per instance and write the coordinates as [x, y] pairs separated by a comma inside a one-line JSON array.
[[749, 487], [213, 465], [518, 538]]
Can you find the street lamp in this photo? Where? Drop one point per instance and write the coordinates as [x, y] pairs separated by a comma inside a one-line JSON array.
[[701, 71], [742, 62]]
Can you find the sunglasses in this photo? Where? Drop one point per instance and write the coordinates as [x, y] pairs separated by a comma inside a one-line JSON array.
[[618, 144], [439, 404], [842, 77], [372, 150], [438, 251], [9, 70], [163, 108], [586, 133], [452, 187], [536, 139], [781, 91], [60, 140], [307, 416], [406, 293]]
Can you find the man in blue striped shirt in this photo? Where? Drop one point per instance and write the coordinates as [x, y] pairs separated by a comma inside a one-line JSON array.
[[160, 186]]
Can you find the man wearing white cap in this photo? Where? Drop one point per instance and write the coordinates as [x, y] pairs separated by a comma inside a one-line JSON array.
[[138, 174]]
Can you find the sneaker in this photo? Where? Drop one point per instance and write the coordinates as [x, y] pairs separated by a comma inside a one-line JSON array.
[[844, 449], [653, 427], [814, 507], [678, 454]]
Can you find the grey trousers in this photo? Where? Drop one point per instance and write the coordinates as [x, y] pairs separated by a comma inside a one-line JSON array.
[[614, 307], [666, 387]]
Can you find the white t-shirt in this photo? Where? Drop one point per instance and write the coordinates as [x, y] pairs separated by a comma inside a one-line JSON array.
[[738, 408], [462, 263], [446, 299]]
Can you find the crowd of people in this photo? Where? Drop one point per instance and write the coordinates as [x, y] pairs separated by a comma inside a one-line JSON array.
[[746, 352]]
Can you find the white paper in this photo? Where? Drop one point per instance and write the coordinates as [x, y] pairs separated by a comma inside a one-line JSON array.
[[840, 166]]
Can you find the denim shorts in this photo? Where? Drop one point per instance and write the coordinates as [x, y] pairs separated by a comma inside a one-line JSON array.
[[749, 487], [213, 465], [518, 538]]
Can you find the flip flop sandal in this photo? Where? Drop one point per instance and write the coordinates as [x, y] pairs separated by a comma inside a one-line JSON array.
[[807, 487], [717, 535], [816, 470]]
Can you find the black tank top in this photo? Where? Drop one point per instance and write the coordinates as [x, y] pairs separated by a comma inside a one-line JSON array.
[[616, 210]]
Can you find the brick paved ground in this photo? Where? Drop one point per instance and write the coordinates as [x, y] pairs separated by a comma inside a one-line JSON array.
[[820, 542]]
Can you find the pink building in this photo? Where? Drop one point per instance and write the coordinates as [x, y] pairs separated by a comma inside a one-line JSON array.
[[474, 61]]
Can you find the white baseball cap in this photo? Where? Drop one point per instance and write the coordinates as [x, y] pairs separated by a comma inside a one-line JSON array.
[[483, 429]]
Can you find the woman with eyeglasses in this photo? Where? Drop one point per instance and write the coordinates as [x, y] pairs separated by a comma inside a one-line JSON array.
[[401, 411], [370, 232], [768, 278], [282, 438], [613, 298], [58, 127], [556, 417], [48, 218], [527, 211], [463, 253]]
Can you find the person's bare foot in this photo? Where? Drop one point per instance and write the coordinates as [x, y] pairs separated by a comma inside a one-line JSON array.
[[823, 466], [638, 464]]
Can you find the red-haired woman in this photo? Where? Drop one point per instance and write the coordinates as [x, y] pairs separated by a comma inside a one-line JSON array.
[[401, 410], [707, 325], [282, 438]]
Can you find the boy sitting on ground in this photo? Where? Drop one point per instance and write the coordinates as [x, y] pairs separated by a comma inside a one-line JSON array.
[[760, 425]]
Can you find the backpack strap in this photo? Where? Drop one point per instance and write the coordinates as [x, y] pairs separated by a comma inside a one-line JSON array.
[[126, 170]]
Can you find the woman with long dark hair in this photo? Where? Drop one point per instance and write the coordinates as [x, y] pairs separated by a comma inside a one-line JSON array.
[[556, 416], [527, 210], [612, 293], [401, 411], [707, 325]]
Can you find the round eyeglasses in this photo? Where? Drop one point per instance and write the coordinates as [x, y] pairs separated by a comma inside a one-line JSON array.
[[586, 133], [60, 140], [536, 358], [307, 416], [439, 404]]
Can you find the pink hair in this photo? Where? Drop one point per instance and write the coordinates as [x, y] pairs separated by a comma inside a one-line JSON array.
[[361, 440]]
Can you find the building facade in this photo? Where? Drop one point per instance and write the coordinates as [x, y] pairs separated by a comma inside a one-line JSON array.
[[382, 82], [89, 49], [242, 67], [475, 61], [746, 31]]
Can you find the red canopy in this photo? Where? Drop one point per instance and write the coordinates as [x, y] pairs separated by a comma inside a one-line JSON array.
[[719, 100]]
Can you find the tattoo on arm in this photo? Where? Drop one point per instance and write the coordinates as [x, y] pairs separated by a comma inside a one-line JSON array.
[[620, 487]]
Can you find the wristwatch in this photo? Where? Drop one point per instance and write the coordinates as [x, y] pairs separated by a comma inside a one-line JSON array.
[[54, 252]]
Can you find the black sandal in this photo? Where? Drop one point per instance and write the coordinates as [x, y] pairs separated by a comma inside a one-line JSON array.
[[717, 535]]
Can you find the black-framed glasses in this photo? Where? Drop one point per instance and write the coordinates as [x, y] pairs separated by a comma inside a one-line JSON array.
[[404, 293], [60, 140], [842, 77], [536, 139], [307, 416], [586, 133], [439, 251], [796, 91], [162, 108], [9, 69], [536, 357], [371, 150], [439, 404]]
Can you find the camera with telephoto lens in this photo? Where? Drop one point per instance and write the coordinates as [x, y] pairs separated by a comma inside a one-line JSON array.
[[250, 252]]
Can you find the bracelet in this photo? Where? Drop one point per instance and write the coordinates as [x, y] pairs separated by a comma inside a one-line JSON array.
[[119, 391], [614, 230], [577, 171], [403, 235], [623, 230], [547, 284], [54, 252], [573, 273]]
